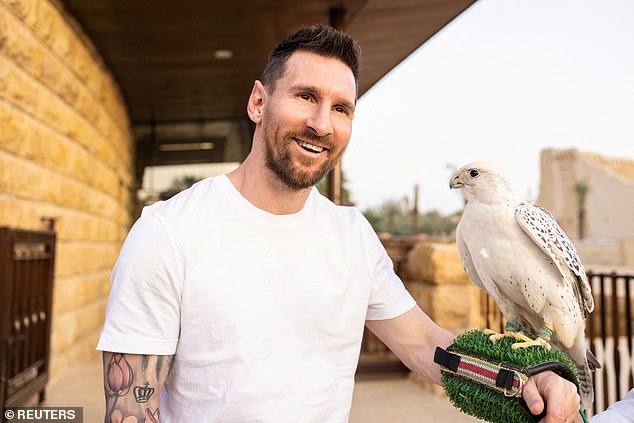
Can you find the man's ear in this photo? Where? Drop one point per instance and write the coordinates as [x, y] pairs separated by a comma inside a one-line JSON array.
[[256, 102]]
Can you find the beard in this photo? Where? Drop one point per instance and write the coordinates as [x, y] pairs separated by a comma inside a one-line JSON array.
[[301, 173]]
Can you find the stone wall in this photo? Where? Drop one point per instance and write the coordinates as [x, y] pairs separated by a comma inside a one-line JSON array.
[[66, 152]]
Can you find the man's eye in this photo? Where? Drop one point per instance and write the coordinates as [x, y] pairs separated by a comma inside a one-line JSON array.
[[304, 97], [341, 110]]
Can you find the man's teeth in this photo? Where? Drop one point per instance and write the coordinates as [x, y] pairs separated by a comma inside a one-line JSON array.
[[310, 147]]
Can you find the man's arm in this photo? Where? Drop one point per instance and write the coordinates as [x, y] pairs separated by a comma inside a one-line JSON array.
[[132, 384], [413, 337]]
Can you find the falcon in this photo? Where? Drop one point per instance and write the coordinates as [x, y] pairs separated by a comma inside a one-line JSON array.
[[519, 255]]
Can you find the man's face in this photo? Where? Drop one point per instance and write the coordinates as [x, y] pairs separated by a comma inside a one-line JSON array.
[[307, 119]]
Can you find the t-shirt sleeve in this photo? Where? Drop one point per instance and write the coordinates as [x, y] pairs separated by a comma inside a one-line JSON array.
[[619, 412], [143, 311], [389, 298]]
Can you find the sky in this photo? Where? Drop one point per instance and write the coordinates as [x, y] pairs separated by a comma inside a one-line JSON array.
[[502, 82]]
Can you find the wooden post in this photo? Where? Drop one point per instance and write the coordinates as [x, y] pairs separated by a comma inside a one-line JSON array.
[[337, 16], [415, 224]]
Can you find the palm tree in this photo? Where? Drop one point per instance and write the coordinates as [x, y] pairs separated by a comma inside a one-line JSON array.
[[582, 188]]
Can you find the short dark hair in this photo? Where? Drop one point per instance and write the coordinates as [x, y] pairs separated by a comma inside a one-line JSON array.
[[318, 39]]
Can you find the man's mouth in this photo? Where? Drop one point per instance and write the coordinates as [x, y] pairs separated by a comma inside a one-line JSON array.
[[309, 147]]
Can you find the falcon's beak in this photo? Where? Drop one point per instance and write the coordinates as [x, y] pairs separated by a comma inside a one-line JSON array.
[[456, 182]]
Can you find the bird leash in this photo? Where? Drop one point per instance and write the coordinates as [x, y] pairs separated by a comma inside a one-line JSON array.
[[486, 380]]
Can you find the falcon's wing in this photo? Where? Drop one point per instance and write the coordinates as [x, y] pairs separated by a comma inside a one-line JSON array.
[[543, 229], [467, 263]]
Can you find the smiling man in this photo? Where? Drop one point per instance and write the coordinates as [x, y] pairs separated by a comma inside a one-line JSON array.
[[244, 298]]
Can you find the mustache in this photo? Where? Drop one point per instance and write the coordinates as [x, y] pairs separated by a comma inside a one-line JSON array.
[[311, 137]]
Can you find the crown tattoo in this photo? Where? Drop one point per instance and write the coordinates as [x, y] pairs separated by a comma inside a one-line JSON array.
[[143, 393]]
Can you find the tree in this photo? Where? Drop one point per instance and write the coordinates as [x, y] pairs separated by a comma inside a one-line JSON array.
[[394, 217], [178, 184]]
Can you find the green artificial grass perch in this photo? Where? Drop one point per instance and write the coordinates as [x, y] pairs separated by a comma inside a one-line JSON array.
[[488, 404]]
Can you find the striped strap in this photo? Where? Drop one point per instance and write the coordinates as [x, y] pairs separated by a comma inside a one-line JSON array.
[[492, 374]]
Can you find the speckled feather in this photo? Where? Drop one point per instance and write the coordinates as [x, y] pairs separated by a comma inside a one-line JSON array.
[[544, 230]]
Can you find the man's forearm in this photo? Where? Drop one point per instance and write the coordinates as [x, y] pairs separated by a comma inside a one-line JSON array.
[[132, 384], [413, 337]]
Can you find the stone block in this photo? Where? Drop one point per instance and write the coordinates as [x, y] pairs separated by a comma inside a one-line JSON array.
[[71, 224], [11, 129], [18, 44], [44, 24], [436, 263], [20, 213], [22, 8], [74, 258], [4, 30], [455, 307], [16, 86], [627, 252], [75, 291], [69, 327], [63, 332], [90, 318]]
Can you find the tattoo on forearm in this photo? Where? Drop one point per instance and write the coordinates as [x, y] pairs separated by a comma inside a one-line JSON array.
[[144, 362], [148, 417], [118, 376], [164, 360], [121, 372], [143, 393]]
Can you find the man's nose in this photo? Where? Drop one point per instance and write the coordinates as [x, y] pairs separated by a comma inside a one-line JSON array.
[[320, 121]]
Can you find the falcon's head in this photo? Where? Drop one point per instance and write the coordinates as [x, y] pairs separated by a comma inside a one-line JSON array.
[[484, 182]]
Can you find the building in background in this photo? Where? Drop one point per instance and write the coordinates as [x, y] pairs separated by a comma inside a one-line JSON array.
[[592, 198]]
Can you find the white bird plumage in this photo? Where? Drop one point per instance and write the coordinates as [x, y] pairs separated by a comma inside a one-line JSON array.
[[519, 255]]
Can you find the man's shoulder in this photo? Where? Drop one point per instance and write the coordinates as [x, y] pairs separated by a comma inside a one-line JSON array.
[[345, 214], [187, 199]]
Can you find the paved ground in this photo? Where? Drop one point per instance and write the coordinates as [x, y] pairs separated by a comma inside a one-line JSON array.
[[376, 400], [401, 400]]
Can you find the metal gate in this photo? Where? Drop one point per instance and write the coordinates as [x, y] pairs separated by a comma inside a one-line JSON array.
[[609, 332], [26, 291]]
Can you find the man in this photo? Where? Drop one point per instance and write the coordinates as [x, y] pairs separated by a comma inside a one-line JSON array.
[[243, 298]]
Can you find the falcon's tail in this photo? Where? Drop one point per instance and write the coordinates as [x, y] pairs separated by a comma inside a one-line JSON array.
[[592, 360], [585, 362], [586, 389]]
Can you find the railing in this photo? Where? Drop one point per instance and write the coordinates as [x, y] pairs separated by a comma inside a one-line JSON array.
[[26, 290], [610, 329]]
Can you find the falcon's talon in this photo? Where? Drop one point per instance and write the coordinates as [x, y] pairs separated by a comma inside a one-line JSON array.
[[537, 342], [496, 336]]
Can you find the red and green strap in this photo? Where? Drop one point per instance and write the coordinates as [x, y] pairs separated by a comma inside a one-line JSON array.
[[491, 374]]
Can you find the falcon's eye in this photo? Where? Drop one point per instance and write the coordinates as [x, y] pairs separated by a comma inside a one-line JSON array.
[[473, 173]]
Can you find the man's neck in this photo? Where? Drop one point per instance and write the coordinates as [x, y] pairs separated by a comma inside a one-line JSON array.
[[264, 190]]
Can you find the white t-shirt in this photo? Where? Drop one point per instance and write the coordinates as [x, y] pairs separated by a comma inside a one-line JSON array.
[[619, 412], [264, 313]]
